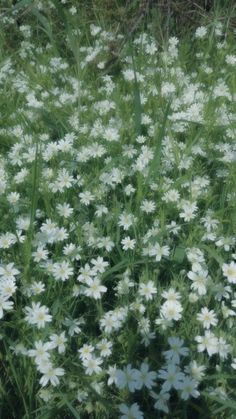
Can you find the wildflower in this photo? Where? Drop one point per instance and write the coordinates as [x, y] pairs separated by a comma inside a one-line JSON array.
[[207, 318], [208, 342], [223, 348], [104, 346], [128, 243], [148, 206], [50, 375], [62, 270], [40, 254], [37, 287], [95, 289], [188, 211], [37, 315], [145, 377], [225, 242], [40, 353], [86, 197], [189, 388], [172, 377], [129, 189], [195, 371], [5, 304], [74, 325], [99, 265], [171, 295], [58, 341], [233, 364], [172, 195], [127, 378], [132, 412], [45, 394], [159, 251], [92, 365], [229, 270], [7, 240], [230, 59], [101, 209], [7, 287], [126, 221], [147, 290], [199, 281], [201, 32], [171, 310], [161, 401], [177, 349], [112, 375]]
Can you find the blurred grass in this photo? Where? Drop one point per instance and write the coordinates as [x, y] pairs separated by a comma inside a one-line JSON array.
[[167, 17]]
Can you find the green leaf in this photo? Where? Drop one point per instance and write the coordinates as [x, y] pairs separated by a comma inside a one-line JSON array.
[[179, 254], [155, 165], [44, 21], [213, 253]]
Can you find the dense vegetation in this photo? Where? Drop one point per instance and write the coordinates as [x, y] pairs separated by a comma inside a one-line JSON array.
[[117, 210]]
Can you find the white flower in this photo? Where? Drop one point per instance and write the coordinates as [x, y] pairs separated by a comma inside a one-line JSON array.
[[172, 377], [223, 348], [8, 271], [207, 318], [171, 310], [195, 371], [177, 349], [128, 243], [99, 265], [172, 195], [7, 287], [145, 377], [147, 290], [62, 270], [58, 341], [104, 347], [7, 240], [201, 32], [50, 375], [126, 220], [161, 401], [188, 388], [64, 210], [92, 365], [199, 281], [45, 394], [86, 197], [158, 251], [86, 352], [40, 352], [229, 270], [37, 315], [148, 206], [40, 254], [230, 59], [233, 364], [5, 304], [188, 211], [132, 412], [208, 342], [95, 289], [112, 375], [171, 295], [127, 378], [225, 242]]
